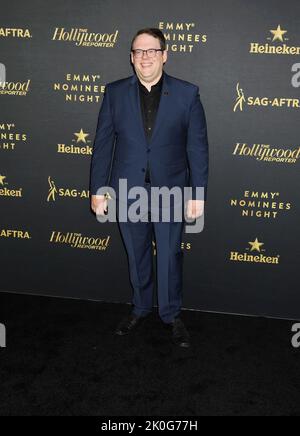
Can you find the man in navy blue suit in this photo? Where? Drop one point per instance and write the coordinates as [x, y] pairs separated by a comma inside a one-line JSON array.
[[156, 127]]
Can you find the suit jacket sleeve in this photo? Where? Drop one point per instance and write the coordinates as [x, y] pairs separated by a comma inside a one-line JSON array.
[[197, 147], [103, 146]]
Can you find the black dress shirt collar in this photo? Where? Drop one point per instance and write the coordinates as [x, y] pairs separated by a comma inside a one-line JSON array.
[[154, 88]]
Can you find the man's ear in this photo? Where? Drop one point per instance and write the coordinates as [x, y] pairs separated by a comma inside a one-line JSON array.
[[165, 54], [131, 57]]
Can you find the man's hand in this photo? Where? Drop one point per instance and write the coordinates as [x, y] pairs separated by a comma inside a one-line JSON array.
[[99, 204], [194, 209]]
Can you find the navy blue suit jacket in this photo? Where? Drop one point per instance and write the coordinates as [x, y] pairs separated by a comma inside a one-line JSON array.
[[178, 148]]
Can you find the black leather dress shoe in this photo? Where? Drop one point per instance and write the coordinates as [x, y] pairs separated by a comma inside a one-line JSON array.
[[180, 335], [128, 323]]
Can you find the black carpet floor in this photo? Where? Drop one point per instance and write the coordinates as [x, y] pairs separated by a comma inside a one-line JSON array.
[[63, 359]]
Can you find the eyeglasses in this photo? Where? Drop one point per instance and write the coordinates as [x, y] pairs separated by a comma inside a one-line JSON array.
[[151, 52]]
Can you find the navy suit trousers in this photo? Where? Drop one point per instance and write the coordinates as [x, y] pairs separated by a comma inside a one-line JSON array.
[[137, 239]]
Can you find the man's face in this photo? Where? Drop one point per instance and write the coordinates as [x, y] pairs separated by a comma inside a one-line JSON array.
[[148, 69]]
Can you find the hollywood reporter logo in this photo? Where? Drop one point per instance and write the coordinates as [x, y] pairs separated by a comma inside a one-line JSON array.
[[85, 38], [12, 88]]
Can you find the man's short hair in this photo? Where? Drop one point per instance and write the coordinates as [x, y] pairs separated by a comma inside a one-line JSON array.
[[153, 32]]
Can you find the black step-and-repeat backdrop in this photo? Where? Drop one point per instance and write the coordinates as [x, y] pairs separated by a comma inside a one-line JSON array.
[[245, 57]]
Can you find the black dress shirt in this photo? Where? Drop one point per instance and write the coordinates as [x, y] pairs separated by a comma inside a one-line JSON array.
[[149, 105]]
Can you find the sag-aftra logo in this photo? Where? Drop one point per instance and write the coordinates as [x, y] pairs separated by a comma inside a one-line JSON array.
[[55, 192], [261, 102]]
